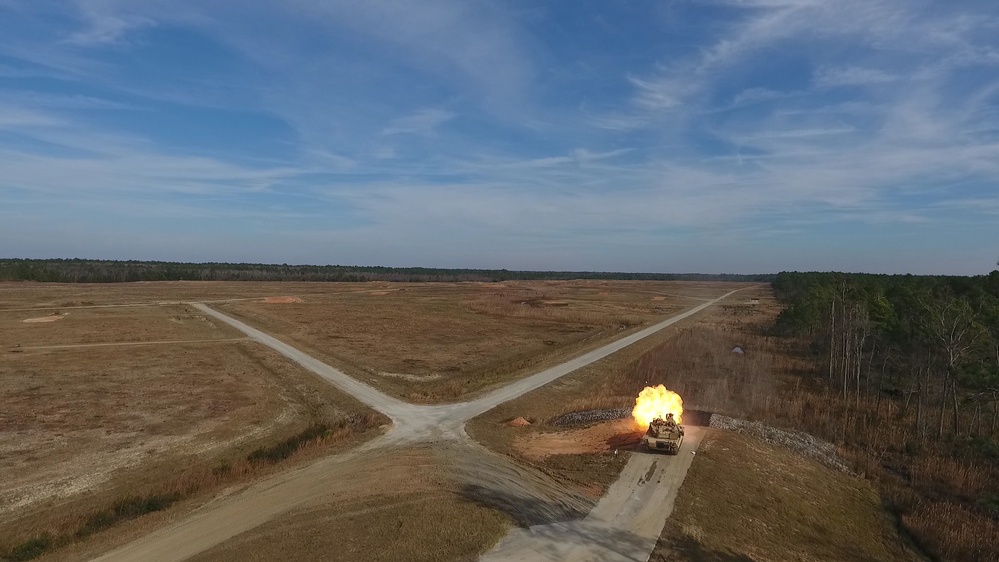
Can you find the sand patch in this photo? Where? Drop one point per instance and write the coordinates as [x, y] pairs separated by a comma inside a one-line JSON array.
[[599, 438], [282, 300], [660, 299], [378, 293], [49, 318]]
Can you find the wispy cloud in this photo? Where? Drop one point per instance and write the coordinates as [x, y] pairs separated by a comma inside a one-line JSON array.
[[423, 122], [516, 137], [832, 77]]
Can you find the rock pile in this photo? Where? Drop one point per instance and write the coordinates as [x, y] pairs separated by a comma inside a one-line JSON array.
[[797, 441], [590, 416]]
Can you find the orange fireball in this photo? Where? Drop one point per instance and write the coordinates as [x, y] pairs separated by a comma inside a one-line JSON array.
[[655, 402]]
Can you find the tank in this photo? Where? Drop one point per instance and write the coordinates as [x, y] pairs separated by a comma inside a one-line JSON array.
[[664, 435]]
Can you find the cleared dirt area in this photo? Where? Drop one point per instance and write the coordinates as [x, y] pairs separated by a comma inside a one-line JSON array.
[[442, 342], [746, 500], [599, 438]]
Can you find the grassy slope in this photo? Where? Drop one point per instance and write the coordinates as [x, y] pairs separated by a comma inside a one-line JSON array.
[[746, 500]]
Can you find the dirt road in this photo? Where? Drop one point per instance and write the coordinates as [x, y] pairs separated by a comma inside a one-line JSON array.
[[228, 517]]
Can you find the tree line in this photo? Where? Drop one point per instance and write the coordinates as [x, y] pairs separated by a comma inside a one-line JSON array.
[[931, 342], [114, 271]]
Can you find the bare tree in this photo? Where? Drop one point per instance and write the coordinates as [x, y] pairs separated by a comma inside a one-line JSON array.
[[951, 325]]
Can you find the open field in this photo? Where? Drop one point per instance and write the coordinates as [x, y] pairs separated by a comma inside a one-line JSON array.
[[53, 296], [197, 390], [490, 490], [442, 342], [90, 420], [108, 325]]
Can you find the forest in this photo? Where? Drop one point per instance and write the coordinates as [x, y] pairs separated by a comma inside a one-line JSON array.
[[905, 379], [113, 271]]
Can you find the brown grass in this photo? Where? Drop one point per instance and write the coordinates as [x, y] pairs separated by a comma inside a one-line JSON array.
[[390, 527], [88, 431], [453, 340], [107, 325], [15, 295], [391, 507], [746, 500]]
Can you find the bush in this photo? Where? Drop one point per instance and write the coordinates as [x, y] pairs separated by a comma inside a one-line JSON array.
[[289, 446], [29, 549], [129, 508]]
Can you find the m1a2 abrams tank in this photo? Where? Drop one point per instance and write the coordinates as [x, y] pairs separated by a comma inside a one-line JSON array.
[[664, 434]]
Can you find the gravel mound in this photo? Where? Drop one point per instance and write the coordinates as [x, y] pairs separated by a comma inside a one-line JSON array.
[[796, 441], [590, 416]]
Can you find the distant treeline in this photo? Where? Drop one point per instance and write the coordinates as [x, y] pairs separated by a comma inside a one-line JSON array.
[[110, 271]]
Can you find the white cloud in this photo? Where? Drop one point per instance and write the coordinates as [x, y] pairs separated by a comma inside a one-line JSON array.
[[104, 25]]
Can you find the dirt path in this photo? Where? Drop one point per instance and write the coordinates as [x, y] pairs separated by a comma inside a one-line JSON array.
[[625, 524], [226, 518]]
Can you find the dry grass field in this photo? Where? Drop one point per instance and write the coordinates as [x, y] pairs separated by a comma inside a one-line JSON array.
[[31, 329], [55, 296], [123, 398], [403, 506], [102, 407], [744, 499], [442, 342]]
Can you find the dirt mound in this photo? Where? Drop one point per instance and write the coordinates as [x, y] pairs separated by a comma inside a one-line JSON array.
[[378, 293], [282, 300], [40, 319], [599, 438], [519, 422]]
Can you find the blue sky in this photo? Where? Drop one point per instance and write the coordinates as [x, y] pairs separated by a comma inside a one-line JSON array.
[[672, 136]]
